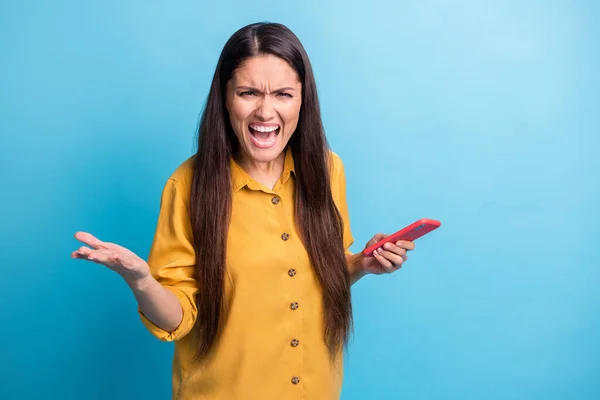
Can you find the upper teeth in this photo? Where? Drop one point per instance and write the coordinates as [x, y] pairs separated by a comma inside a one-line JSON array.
[[264, 128]]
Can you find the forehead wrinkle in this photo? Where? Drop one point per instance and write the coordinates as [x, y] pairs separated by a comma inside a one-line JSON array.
[[243, 78]]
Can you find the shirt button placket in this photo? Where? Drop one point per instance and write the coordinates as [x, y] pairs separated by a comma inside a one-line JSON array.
[[295, 342], [294, 305]]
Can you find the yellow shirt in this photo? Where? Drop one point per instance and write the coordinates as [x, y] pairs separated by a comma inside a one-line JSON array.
[[269, 348]]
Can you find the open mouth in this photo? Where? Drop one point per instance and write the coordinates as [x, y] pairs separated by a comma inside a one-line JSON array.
[[264, 137]]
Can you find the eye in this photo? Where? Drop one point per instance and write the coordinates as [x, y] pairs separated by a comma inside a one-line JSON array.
[[285, 95], [247, 93]]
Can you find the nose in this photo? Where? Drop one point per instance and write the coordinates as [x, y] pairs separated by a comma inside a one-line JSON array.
[[264, 111]]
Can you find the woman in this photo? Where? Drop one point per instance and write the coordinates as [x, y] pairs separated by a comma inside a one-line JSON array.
[[249, 271]]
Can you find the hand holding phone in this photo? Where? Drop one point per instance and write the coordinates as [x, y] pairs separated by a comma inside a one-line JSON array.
[[409, 233]]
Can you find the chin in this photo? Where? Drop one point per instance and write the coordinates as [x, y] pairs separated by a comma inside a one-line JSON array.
[[264, 155]]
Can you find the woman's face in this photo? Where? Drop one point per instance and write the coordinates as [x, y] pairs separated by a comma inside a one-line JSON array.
[[263, 99]]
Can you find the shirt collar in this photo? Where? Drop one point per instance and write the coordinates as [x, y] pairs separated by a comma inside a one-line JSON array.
[[240, 178]]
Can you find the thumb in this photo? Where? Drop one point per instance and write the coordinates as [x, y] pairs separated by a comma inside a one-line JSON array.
[[376, 238]]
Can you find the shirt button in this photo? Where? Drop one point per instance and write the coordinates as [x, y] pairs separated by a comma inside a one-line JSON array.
[[294, 306], [285, 236], [275, 200], [295, 380], [292, 272], [295, 343]]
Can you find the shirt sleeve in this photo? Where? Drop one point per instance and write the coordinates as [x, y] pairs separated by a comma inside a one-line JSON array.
[[342, 203], [172, 259]]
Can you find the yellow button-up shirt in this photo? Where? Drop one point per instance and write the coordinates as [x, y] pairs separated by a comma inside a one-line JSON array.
[[272, 344]]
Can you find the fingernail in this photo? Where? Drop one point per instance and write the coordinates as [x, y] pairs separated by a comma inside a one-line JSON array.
[[388, 246]]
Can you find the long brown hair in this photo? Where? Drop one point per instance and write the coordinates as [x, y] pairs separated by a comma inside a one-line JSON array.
[[318, 219]]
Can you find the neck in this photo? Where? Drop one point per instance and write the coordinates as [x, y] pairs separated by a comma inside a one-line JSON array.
[[266, 173]]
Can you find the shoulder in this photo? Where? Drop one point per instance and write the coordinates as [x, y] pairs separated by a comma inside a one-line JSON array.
[[179, 183], [184, 172], [336, 166], [337, 174]]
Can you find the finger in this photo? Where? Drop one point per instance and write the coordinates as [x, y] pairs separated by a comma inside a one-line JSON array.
[[106, 257], [77, 254], [396, 250], [90, 240], [393, 258], [82, 252], [385, 263], [405, 244], [378, 237], [100, 256]]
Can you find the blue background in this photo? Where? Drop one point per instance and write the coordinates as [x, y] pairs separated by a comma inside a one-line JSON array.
[[483, 115]]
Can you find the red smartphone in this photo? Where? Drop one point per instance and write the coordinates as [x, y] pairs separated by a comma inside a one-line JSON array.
[[410, 233]]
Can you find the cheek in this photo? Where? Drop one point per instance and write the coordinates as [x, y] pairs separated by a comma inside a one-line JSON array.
[[292, 116], [238, 114]]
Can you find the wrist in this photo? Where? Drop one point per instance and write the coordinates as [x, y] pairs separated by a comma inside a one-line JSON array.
[[140, 284], [355, 268]]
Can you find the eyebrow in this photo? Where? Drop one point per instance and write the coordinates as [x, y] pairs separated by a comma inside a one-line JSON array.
[[256, 90]]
